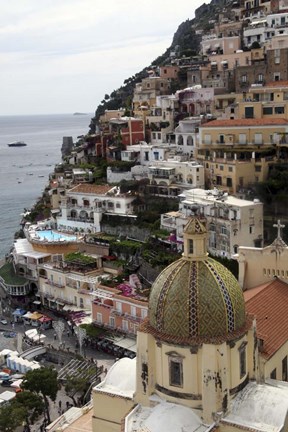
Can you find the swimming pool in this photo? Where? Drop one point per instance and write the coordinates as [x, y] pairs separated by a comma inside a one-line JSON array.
[[51, 236]]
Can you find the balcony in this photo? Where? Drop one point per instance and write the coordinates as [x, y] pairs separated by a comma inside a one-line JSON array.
[[84, 220], [52, 283]]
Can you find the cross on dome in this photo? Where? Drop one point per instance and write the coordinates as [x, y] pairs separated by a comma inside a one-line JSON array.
[[278, 226]]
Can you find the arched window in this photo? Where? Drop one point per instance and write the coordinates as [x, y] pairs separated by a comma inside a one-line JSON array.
[[73, 213], [189, 141], [180, 140]]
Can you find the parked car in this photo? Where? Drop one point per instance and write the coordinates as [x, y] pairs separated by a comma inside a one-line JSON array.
[[3, 321]]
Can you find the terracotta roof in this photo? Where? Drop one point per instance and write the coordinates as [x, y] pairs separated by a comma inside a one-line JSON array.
[[245, 122], [91, 189], [270, 304]]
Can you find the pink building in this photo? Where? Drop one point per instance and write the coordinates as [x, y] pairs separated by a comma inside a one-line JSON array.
[[119, 308]]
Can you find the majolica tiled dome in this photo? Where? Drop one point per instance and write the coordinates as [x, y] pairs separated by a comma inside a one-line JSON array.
[[196, 296]]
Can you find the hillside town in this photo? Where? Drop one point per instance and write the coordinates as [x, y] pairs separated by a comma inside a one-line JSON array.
[[151, 231]]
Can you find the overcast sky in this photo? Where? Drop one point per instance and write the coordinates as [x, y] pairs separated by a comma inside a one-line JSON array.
[[62, 56]]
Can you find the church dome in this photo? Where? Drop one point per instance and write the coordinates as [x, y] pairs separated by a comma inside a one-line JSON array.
[[196, 297]]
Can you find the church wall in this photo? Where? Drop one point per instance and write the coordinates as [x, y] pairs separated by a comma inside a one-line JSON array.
[[257, 265], [146, 367], [105, 418], [235, 368], [275, 362], [190, 368]]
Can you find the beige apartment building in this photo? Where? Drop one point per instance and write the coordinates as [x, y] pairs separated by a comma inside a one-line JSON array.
[[238, 152], [145, 93]]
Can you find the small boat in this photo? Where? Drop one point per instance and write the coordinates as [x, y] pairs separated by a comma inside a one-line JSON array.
[[41, 176], [17, 144]]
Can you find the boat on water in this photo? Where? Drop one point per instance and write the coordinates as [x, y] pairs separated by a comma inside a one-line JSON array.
[[17, 144]]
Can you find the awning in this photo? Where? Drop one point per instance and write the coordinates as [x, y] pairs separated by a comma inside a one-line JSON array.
[[213, 63], [27, 315], [83, 320], [19, 312], [127, 343], [37, 302], [44, 319], [224, 62], [35, 316], [72, 308]]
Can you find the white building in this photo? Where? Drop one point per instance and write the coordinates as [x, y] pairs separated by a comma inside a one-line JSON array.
[[231, 222], [84, 205], [146, 154], [187, 136]]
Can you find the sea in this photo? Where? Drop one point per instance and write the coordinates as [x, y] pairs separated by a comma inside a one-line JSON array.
[[24, 171]]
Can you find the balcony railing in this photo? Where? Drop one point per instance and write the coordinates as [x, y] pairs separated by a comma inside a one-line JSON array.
[[84, 220], [55, 284]]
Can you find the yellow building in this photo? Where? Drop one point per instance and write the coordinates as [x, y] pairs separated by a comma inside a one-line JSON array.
[[197, 358], [238, 152]]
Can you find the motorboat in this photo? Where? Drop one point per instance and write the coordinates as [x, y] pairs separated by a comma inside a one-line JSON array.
[[17, 144]]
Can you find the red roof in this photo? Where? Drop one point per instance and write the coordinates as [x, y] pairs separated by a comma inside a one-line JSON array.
[[245, 122], [269, 304], [91, 189]]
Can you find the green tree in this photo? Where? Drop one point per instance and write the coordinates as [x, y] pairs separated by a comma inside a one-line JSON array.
[[76, 385], [11, 418], [43, 381], [32, 406]]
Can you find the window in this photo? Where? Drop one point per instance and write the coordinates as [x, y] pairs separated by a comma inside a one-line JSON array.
[[219, 180], [260, 77], [156, 155], [191, 247], [125, 325], [229, 182], [251, 229], [223, 230], [242, 138], [230, 169], [258, 168], [118, 205], [207, 139], [143, 313], [258, 138], [221, 168], [133, 311], [279, 110], [284, 369], [99, 317], [244, 78], [273, 374], [277, 76], [242, 355], [119, 307], [249, 112], [267, 110], [81, 302], [146, 156], [176, 371], [112, 322], [159, 135]]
